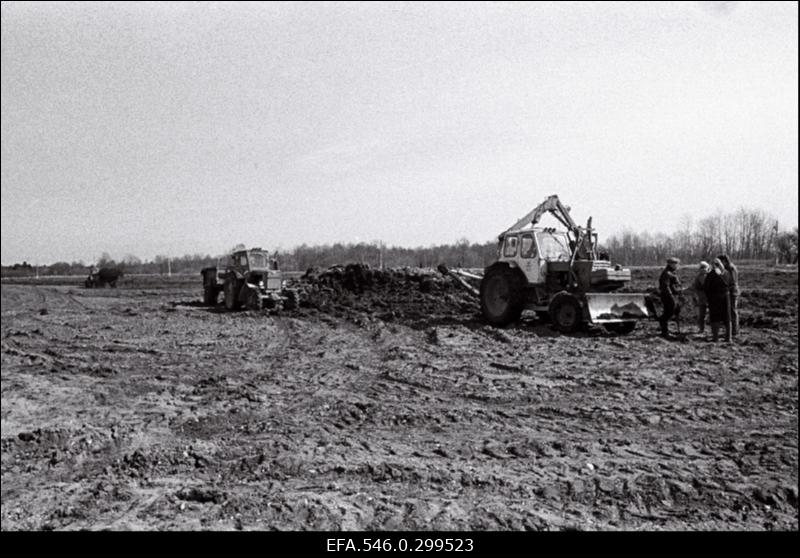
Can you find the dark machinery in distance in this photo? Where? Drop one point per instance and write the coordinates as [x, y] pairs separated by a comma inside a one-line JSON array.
[[102, 277]]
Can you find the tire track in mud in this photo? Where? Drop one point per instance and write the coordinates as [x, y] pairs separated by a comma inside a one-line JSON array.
[[650, 412], [306, 420]]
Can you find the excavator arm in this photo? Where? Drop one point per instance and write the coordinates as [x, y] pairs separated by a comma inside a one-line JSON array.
[[554, 206], [561, 212]]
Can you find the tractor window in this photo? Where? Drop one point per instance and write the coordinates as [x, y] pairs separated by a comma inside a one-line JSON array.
[[258, 261], [527, 248], [511, 247], [553, 246]]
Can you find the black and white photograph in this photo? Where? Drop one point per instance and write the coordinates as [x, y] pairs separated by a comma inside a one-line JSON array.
[[404, 273]]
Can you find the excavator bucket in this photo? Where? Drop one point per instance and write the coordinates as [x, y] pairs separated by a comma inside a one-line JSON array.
[[616, 307]]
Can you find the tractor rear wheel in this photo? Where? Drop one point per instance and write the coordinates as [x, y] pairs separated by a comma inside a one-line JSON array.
[[621, 328], [566, 312], [502, 292], [232, 288]]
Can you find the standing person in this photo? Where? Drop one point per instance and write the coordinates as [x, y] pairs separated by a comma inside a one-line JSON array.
[[700, 299], [733, 291], [669, 287], [717, 290]]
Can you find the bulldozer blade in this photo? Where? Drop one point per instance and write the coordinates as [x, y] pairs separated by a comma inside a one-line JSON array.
[[616, 307]]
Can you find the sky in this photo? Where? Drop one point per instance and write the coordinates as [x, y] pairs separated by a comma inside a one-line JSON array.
[[175, 128]]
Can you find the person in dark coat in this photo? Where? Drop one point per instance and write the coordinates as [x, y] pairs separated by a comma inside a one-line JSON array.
[[669, 287], [700, 300], [717, 290], [733, 291]]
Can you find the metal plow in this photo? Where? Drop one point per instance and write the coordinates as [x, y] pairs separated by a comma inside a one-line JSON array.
[[616, 307]]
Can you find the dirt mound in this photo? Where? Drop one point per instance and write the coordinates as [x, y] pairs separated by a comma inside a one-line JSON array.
[[406, 295]]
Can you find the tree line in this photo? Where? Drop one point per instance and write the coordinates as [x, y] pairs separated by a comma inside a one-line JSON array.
[[743, 235], [376, 254]]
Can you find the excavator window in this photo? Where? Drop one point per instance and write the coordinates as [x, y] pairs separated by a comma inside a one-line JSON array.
[[527, 248], [511, 247]]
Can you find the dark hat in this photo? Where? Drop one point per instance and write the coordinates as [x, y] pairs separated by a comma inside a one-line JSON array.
[[673, 261]]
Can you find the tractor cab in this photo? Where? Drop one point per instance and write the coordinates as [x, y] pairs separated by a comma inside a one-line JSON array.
[[254, 260], [536, 252], [257, 268]]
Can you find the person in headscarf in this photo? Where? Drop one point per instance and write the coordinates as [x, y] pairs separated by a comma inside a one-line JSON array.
[[700, 300], [717, 287]]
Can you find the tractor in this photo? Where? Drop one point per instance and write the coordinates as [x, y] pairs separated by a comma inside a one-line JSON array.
[[102, 277], [557, 274], [247, 278]]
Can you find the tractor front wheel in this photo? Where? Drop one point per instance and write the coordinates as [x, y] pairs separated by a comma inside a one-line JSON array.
[[252, 299], [290, 302], [502, 291], [232, 288], [566, 312]]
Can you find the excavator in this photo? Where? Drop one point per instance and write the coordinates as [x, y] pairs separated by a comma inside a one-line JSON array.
[[558, 274]]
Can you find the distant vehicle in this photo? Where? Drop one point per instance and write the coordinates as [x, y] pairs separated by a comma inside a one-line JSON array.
[[249, 278], [102, 277]]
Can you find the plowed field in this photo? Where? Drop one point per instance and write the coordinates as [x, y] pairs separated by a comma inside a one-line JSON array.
[[387, 404]]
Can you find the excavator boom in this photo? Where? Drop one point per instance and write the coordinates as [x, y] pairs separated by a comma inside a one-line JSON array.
[[554, 206]]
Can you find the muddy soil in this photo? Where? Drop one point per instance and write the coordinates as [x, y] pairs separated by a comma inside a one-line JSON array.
[[385, 403]]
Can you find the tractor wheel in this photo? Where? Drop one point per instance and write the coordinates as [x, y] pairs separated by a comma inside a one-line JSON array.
[[621, 328], [566, 313], [543, 316], [290, 303], [252, 299], [210, 295], [502, 291], [232, 288]]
